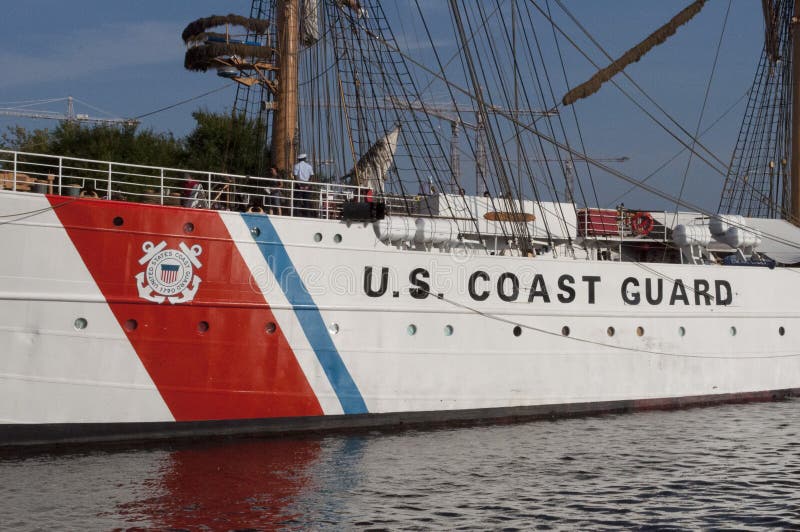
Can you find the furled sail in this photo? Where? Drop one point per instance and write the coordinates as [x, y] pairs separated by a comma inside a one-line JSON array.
[[771, 29], [195, 30], [221, 49], [373, 167], [309, 22], [633, 55], [355, 6]]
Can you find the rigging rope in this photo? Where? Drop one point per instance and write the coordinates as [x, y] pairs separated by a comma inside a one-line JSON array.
[[757, 181], [519, 227], [575, 153], [634, 54], [182, 102], [682, 150], [703, 107], [637, 86], [559, 334], [575, 118]]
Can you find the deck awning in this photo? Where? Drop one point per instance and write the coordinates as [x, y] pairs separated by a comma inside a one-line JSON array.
[[780, 240]]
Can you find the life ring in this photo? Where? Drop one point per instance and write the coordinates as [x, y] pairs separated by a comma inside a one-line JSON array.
[[255, 209], [642, 223]]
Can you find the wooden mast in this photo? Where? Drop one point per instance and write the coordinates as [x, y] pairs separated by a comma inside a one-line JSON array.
[[794, 188], [284, 121]]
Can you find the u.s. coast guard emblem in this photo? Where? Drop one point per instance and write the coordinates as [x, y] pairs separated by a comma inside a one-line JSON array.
[[169, 274]]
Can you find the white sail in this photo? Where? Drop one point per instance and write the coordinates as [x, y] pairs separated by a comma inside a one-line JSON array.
[[373, 167]]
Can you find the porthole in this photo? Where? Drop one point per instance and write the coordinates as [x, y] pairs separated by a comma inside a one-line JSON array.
[[118, 221], [411, 329], [255, 231], [131, 325], [781, 330], [202, 327], [271, 327], [188, 227], [564, 331], [681, 331], [448, 330], [733, 331], [517, 330], [337, 238], [610, 331], [317, 237], [81, 324], [640, 331], [333, 328]]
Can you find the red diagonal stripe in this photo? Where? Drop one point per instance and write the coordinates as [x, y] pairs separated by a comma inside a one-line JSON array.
[[235, 370]]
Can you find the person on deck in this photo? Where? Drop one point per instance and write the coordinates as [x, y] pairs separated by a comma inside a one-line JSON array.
[[192, 191], [88, 190], [303, 172], [272, 198]]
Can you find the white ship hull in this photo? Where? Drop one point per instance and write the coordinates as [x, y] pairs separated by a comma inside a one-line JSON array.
[[284, 324]]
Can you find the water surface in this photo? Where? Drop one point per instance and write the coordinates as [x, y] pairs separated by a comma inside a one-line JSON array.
[[735, 466]]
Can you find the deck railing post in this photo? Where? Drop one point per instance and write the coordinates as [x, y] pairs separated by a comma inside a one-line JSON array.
[[14, 183], [161, 188], [208, 192], [108, 187], [327, 201], [60, 173], [586, 223], [291, 198]]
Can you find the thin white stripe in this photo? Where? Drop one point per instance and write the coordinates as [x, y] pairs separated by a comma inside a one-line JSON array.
[[283, 312]]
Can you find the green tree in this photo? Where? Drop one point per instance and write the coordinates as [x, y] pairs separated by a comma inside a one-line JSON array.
[[19, 139], [218, 143], [221, 143], [119, 144]]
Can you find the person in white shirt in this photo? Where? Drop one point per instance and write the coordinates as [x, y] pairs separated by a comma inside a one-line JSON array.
[[303, 172]]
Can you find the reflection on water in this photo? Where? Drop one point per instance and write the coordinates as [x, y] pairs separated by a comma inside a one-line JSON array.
[[231, 486], [735, 466]]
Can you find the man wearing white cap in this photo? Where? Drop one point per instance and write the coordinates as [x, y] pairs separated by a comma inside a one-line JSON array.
[[303, 172]]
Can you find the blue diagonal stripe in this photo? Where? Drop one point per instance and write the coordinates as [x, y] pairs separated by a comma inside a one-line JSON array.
[[274, 252]]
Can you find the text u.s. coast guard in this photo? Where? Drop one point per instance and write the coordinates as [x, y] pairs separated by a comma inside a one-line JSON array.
[[566, 288]]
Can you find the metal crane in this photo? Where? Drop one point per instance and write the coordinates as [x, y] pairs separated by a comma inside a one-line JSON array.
[[70, 115], [569, 171]]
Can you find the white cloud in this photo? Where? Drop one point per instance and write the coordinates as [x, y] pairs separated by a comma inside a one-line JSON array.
[[77, 54]]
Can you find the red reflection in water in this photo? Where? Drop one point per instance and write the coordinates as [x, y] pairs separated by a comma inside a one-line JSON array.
[[235, 486]]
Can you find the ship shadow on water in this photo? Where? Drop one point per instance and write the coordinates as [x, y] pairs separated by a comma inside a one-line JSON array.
[[390, 425]]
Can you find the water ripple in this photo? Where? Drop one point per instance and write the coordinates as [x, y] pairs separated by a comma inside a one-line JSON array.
[[728, 467]]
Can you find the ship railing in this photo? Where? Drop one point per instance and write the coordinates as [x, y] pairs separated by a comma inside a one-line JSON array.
[[76, 177], [617, 225]]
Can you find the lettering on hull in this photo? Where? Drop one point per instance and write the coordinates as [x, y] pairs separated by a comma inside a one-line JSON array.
[[564, 289]]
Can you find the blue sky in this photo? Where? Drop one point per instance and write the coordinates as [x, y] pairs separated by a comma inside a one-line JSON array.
[[124, 58], [127, 59]]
